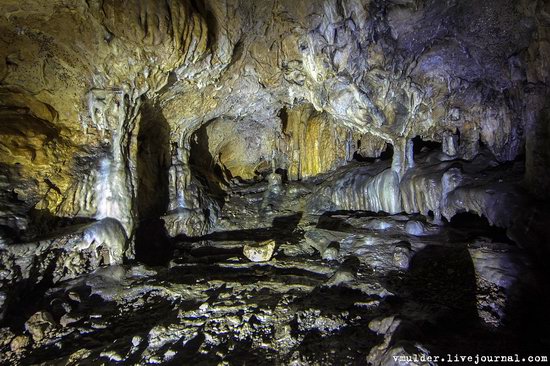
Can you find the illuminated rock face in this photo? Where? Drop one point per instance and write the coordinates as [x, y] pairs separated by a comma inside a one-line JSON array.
[[300, 95], [315, 143], [65, 257], [186, 119], [300, 140]]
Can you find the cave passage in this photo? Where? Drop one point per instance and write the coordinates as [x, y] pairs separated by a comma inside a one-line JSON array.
[[207, 168], [152, 243], [333, 277], [304, 263], [236, 182]]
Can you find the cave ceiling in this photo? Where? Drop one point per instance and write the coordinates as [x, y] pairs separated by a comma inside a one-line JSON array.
[[121, 119]]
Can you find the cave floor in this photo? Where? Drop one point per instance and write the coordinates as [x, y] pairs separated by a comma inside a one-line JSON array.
[[341, 288]]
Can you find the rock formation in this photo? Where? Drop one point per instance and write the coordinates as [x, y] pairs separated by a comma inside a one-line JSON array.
[[350, 134]]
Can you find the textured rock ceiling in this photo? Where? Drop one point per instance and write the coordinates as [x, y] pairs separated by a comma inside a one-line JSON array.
[[118, 92], [350, 140]]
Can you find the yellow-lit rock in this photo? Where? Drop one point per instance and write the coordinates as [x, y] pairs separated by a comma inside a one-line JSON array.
[[77, 78], [315, 144], [238, 153], [53, 54], [259, 252]]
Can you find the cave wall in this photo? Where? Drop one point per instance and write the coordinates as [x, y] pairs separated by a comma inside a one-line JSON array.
[[239, 154], [62, 64], [77, 78], [300, 141], [315, 143]]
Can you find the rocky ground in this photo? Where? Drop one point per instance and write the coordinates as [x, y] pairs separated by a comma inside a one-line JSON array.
[[340, 288], [137, 225]]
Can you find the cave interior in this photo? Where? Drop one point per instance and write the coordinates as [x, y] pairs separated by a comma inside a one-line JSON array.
[[227, 182]]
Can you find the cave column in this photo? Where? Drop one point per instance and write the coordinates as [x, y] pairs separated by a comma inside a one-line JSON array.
[[115, 114], [180, 176], [403, 156], [449, 144]]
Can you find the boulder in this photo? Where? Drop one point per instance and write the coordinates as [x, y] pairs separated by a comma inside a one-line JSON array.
[[402, 255], [19, 343], [331, 253], [260, 252], [415, 228], [39, 324]]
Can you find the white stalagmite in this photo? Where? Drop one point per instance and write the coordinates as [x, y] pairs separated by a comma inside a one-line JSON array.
[[116, 179]]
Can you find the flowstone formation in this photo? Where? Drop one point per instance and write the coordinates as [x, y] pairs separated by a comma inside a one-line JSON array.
[[278, 182]]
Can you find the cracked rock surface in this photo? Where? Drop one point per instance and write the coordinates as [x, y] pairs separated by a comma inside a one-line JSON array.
[[273, 181]]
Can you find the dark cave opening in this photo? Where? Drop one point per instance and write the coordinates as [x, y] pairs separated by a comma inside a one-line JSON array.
[[152, 244], [283, 173], [385, 155], [153, 161], [422, 146], [475, 225], [283, 115], [204, 167]]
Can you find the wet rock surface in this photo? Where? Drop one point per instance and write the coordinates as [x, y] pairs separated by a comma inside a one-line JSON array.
[[382, 291], [272, 182]]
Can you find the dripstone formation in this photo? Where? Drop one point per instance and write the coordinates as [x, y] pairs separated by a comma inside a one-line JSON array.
[[273, 182]]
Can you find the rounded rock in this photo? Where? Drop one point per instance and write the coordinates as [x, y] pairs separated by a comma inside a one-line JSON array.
[[19, 343], [261, 252], [415, 228]]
